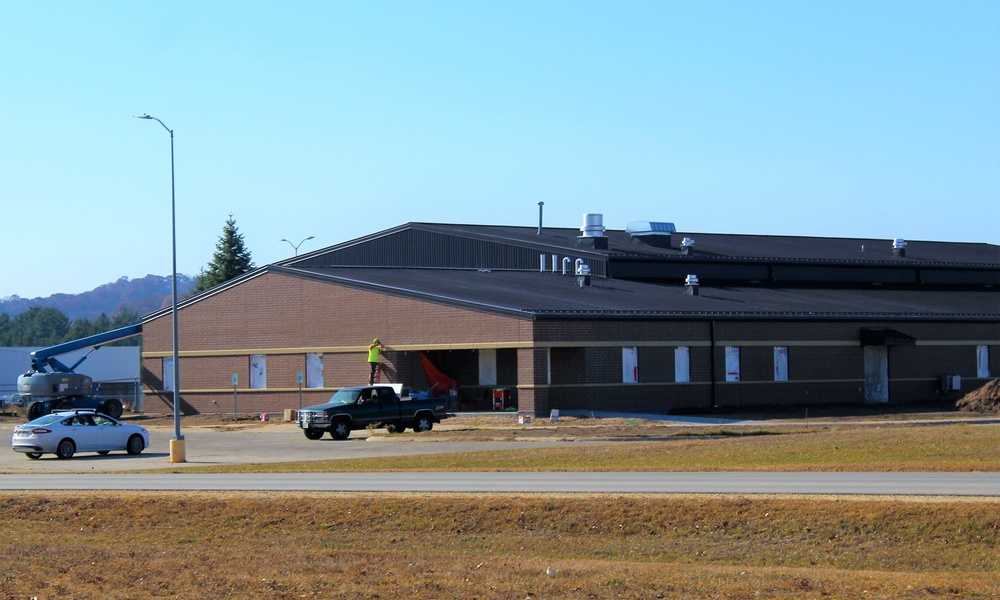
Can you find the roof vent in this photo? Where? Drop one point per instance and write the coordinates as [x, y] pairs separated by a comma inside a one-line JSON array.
[[899, 247], [651, 232], [593, 225], [583, 275], [686, 245], [691, 285], [592, 232]]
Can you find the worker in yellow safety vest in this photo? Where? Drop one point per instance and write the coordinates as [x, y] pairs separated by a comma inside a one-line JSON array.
[[373, 357]]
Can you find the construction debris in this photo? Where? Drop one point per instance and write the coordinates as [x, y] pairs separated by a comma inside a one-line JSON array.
[[983, 400]]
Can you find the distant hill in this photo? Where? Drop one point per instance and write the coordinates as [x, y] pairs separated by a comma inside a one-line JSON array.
[[145, 295]]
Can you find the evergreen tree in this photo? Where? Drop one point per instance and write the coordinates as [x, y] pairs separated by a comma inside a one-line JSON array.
[[80, 328], [124, 318], [5, 329], [231, 259], [46, 326], [38, 326]]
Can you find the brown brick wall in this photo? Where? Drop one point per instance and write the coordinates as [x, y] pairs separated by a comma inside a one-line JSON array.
[[285, 317]]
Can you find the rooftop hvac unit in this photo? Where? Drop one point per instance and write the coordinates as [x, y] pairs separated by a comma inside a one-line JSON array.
[[951, 383]]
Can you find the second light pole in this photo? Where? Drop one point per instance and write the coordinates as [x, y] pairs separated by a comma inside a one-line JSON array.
[[296, 246], [177, 453]]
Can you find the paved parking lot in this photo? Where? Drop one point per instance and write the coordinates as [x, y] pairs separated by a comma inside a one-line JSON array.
[[278, 442]]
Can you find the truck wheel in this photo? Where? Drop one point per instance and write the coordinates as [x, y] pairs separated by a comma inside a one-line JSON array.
[[66, 449], [112, 408], [340, 430], [313, 434], [423, 422], [35, 410]]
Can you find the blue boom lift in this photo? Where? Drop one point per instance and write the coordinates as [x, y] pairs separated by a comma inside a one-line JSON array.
[[44, 391]]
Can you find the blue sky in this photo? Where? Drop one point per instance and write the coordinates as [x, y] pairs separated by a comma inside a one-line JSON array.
[[874, 119]]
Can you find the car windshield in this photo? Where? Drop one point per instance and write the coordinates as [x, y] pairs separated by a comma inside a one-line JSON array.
[[46, 419], [348, 396]]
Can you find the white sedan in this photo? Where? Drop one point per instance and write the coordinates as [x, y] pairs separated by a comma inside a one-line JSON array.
[[66, 432]]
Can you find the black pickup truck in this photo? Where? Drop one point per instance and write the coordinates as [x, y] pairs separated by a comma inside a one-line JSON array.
[[359, 407]]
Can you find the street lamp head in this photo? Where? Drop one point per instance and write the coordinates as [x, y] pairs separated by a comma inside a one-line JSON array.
[[296, 246], [152, 118]]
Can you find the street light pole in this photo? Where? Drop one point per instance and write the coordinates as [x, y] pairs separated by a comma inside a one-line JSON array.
[[177, 453], [296, 246]]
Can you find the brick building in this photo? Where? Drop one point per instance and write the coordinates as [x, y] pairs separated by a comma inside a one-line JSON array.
[[663, 320]]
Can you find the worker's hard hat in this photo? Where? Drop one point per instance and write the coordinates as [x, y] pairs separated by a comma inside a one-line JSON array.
[[375, 341]]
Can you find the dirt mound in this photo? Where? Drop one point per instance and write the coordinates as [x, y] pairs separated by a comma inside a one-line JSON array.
[[984, 400]]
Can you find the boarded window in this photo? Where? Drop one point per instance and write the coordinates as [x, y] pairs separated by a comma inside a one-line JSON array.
[[876, 373], [488, 366], [630, 364], [168, 372], [781, 363], [258, 372], [314, 370], [732, 363], [982, 361], [682, 364]]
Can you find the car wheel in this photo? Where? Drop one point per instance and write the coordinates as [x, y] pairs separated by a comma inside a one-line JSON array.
[[112, 408], [103, 452], [66, 449], [135, 444], [423, 423], [340, 430], [34, 455], [313, 434]]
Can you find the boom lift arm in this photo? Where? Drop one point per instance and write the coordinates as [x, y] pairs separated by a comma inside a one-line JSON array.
[[46, 357]]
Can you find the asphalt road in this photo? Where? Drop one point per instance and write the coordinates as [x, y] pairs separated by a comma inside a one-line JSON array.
[[274, 443], [896, 484]]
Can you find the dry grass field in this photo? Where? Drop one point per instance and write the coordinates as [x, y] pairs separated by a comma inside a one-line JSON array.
[[499, 546], [187, 545]]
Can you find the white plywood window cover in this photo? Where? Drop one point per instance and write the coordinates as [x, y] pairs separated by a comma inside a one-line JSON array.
[[781, 363], [682, 364], [982, 361], [168, 372], [258, 372], [876, 373], [314, 370], [630, 364], [732, 363], [488, 366]]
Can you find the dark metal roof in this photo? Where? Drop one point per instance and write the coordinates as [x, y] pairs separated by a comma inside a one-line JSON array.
[[498, 269], [730, 259], [737, 245], [537, 295]]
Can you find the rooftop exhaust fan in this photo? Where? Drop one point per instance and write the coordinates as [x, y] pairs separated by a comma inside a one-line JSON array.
[[899, 247], [691, 285], [592, 232]]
